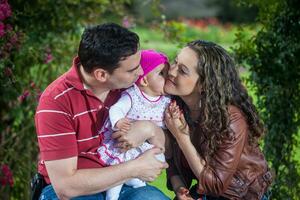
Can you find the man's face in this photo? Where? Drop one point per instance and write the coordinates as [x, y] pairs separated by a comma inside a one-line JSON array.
[[127, 73]]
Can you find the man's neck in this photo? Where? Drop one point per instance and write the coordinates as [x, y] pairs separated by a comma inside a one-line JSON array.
[[90, 83]]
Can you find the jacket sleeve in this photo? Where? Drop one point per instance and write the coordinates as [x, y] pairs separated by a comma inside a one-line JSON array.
[[218, 172]]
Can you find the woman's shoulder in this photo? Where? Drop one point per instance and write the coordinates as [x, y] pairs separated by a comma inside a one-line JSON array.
[[237, 118], [235, 113]]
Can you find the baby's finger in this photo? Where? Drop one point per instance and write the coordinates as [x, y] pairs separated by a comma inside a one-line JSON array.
[[118, 134], [125, 129]]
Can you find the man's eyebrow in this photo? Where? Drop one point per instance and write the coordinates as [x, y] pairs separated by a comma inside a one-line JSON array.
[[131, 70]]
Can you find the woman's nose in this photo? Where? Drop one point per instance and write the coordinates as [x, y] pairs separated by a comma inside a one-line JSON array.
[[172, 70]]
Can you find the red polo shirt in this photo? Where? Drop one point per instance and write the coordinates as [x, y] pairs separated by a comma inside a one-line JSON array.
[[68, 120]]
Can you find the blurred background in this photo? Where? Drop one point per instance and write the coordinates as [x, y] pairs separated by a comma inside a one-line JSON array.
[[38, 40]]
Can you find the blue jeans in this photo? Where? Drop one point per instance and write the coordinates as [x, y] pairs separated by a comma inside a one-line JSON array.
[[147, 192]]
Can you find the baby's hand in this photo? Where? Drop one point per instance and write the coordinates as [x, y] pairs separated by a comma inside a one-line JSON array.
[[123, 125], [175, 121]]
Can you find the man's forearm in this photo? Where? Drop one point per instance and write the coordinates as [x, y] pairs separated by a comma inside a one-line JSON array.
[[88, 181]]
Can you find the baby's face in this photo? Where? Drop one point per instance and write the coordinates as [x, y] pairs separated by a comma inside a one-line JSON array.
[[156, 79]]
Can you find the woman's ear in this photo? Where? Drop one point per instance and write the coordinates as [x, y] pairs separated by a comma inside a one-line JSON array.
[[100, 74], [144, 81]]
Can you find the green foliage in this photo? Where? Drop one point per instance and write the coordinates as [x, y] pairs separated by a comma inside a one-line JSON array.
[[273, 57], [37, 48]]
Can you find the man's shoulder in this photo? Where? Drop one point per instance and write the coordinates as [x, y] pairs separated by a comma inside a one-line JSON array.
[[54, 89]]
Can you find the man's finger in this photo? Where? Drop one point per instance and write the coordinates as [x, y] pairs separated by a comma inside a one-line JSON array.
[[156, 150]]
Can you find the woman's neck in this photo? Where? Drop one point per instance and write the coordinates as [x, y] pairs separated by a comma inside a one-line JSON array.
[[193, 103]]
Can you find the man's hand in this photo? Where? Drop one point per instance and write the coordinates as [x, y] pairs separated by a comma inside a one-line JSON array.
[[148, 168]]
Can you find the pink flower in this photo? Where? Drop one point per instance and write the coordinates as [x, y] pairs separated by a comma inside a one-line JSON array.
[[32, 84], [5, 10], [24, 96], [125, 22], [2, 29], [128, 22], [8, 71], [7, 176], [48, 58], [14, 39]]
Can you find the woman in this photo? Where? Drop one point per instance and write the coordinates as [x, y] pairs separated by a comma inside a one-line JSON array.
[[215, 128]]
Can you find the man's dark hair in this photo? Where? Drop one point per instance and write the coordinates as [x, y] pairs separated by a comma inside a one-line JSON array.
[[103, 46]]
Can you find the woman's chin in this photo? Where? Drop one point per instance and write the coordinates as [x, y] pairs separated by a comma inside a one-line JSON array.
[[168, 90]]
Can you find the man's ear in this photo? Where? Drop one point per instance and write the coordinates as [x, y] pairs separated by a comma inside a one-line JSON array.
[[144, 81], [100, 74]]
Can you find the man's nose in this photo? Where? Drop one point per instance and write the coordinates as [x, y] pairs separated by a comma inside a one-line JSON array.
[[140, 71]]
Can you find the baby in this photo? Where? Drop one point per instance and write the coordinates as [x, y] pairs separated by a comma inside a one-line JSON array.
[[145, 100]]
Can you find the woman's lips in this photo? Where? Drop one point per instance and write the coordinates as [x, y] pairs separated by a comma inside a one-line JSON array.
[[170, 81]]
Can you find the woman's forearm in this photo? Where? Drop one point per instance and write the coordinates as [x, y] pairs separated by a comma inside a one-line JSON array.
[[191, 154]]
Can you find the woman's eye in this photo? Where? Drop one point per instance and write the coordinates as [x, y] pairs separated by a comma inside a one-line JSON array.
[[182, 71]]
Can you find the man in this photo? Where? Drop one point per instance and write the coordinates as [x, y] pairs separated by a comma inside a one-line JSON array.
[[72, 111]]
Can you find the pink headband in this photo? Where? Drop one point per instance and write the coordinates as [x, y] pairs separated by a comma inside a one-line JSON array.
[[150, 59]]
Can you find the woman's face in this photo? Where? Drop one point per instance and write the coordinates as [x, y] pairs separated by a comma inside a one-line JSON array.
[[182, 76]]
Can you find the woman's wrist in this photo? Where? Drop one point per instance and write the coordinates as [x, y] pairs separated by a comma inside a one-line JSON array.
[[183, 139]]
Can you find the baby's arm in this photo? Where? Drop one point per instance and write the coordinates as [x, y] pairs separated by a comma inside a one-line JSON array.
[[128, 134], [118, 112], [122, 125]]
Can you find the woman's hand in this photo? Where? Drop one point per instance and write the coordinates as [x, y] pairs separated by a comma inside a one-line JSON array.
[[176, 122], [183, 193]]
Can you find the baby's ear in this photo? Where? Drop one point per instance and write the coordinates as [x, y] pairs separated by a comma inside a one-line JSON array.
[[144, 81]]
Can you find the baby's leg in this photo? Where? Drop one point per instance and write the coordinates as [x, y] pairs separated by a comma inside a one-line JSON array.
[[135, 183], [113, 193]]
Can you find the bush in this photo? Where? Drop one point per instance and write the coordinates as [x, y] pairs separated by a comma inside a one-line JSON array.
[[273, 57], [36, 40]]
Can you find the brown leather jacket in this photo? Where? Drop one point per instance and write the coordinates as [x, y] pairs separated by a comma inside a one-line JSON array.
[[236, 171]]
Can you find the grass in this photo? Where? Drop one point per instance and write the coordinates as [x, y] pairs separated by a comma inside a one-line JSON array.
[[161, 183], [154, 39]]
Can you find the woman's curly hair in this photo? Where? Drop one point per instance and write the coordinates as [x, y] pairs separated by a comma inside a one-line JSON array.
[[221, 87]]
